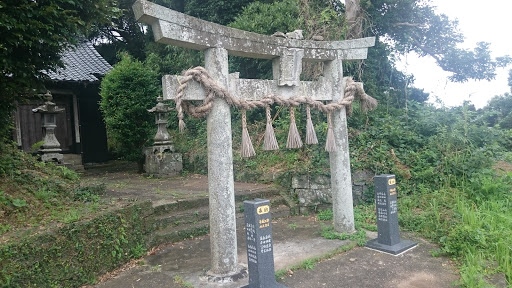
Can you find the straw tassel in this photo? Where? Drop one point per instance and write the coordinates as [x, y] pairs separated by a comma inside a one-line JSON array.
[[247, 148], [181, 125], [269, 141], [293, 135], [330, 144], [310, 129]]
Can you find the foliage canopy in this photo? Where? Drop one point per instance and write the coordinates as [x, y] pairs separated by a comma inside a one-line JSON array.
[[34, 34], [127, 92], [414, 26]]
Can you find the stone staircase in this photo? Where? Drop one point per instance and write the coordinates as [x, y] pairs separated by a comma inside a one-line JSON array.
[[178, 220], [73, 162]]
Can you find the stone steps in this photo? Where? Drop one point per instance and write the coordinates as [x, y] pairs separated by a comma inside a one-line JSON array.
[[164, 207], [73, 162], [178, 220]]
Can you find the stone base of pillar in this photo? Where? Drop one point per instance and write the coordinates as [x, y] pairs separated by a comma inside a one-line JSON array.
[[52, 157], [162, 162], [400, 247], [241, 273]]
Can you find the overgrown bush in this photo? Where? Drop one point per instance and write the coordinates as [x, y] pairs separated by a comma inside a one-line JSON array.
[[127, 92], [32, 192], [75, 254]]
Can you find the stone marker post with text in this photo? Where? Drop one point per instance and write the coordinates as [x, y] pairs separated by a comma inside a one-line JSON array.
[[386, 201], [260, 254]]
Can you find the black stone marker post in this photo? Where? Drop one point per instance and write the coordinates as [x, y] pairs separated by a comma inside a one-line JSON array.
[[260, 254], [387, 218]]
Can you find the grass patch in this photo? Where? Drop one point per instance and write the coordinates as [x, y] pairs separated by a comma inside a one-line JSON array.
[[75, 254], [311, 262], [476, 232], [34, 193], [358, 237], [179, 280]]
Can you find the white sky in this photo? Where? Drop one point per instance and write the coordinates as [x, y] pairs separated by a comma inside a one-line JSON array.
[[488, 21]]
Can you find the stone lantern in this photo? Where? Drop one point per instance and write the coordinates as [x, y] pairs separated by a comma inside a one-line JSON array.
[[50, 149], [160, 158], [162, 137]]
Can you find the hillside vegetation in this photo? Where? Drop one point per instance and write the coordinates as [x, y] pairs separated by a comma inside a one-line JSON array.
[[453, 165], [454, 173]]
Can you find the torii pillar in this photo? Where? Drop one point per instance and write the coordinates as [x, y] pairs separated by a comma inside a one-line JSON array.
[[174, 28], [221, 190]]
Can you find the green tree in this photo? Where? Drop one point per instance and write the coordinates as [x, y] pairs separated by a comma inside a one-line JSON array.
[[499, 111], [33, 36], [263, 19], [510, 79], [414, 26], [217, 11], [125, 34], [126, 93]]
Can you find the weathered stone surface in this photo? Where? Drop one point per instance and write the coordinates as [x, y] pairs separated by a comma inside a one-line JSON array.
[[221, 190], [314, 190], [358, 192], [161, 111], [320, 182], [52, 157], [251, 89], [341, 182], [300, 181], [290, 67], [51, 146], [174, 28], [313, 197], [162, 162], [362, 177]]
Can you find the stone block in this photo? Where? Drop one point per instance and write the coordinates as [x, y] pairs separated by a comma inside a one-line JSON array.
[[320, 182], [313, 197], [300, 182], [362, 177], [163, 164], [358, 193], [52, 157]]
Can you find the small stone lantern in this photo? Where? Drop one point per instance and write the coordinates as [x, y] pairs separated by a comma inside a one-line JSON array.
[[161, 111], [51, 146], [160, 158]]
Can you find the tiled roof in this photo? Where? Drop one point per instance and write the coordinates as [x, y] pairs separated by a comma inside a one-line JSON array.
[[81, 64]]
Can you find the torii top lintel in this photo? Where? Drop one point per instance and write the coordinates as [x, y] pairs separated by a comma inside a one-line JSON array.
[[178, 29]]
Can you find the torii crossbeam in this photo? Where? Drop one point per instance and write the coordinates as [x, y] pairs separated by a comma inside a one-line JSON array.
[[217, 41]]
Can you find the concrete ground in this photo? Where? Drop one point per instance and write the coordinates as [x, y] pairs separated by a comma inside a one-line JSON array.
[[296, 239]]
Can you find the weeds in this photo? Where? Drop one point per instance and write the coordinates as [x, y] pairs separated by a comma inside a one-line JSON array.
[[179, 280], [325, 215]]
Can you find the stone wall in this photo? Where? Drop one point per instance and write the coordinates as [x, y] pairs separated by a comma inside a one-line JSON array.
[[314, 191]]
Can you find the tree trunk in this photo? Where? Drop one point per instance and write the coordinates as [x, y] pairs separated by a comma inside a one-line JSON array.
[[353, 15]]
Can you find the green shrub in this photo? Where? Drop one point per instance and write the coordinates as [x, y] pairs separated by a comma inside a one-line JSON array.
[[127, 92], [77, 253]]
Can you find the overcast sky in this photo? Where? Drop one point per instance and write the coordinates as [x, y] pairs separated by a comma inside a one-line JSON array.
[[488, 21]]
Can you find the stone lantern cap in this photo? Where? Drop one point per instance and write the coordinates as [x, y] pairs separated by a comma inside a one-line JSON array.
[[48, 106], [160, 107]]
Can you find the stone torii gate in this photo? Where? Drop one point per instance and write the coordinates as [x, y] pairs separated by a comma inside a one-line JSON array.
[[174, 28]]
